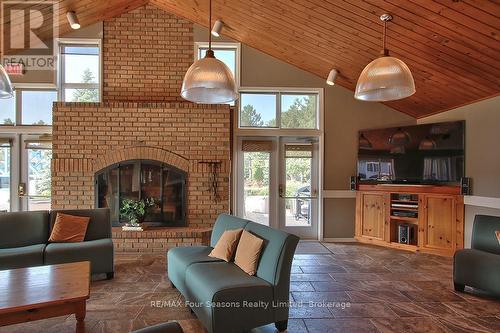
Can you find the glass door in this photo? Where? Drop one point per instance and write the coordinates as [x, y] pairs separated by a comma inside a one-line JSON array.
[[298, 187], [34, 188], [5, 174], [255, 181], [277, 183]]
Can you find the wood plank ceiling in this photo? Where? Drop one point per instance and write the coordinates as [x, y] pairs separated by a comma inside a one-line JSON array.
[[451, 46]]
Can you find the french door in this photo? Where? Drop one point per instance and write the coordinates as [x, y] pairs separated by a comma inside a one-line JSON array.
[[25, 172], [277, 183]]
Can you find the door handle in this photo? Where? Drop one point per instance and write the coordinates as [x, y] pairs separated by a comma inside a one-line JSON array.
[[21, 189], [281, 190]]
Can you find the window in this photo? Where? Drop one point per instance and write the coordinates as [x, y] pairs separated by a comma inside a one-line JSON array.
[[228, 53], [80, 72], [5, 153], [8, 110], [29, 106], [288, 110], [258, 109], [36, 106]]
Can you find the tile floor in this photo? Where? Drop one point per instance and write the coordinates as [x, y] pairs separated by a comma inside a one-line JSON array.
[[352, 287]]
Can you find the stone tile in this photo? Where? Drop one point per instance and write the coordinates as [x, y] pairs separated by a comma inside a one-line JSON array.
[[340, 326], [310, 277], [475, 309], [330, 286], [433, 295], [342, 277], [490, 323], [323, 269], [409, 325], [377, 296], [321, 296], [408, 309], [301, 286], [363, 310], [462, 325]]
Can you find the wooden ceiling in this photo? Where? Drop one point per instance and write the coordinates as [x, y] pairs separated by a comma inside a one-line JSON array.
[[451, 46]]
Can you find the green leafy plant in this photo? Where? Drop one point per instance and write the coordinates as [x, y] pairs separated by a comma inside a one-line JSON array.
[[135, 210]]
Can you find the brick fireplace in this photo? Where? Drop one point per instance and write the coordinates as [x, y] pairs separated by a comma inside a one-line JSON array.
[[142, 118]]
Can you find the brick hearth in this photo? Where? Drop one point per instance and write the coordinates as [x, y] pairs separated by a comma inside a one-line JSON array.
[[159, 239]]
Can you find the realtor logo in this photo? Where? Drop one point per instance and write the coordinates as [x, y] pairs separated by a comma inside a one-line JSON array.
[[29, 31]]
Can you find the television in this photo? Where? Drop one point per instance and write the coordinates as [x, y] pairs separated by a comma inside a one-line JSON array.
[[420, 154]]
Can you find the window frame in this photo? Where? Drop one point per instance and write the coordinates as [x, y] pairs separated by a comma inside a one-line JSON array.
[[18, 103], [278, 130], [222, 45], [62, 86]]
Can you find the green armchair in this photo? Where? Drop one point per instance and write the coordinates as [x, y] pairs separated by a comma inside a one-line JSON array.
[[223, 297], [479, 267]]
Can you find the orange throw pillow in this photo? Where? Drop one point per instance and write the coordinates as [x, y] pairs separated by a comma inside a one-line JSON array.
[[69, 228], [226, 245], [498, 235], [248, 252]]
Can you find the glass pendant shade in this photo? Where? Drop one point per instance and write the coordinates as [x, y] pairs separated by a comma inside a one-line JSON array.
[[209, 81], [400, 138], [5, 84], [385, 79], [427, 144]]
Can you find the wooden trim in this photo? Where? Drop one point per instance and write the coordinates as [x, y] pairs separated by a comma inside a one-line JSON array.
[[339, 240], [488, 202], [410, 188]]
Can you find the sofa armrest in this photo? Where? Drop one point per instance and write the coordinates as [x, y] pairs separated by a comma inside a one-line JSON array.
[[483, 233]]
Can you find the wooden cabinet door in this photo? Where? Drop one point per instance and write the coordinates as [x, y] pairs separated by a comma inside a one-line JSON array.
[[439, 227], [373, 215]]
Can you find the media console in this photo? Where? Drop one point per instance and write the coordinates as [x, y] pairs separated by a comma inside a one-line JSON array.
[[424, 218]]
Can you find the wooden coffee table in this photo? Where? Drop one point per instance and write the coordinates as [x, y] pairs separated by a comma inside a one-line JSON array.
[[41, 292]]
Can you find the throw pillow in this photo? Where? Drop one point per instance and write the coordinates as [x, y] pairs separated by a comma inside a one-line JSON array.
[[248, 252], [226, 245], [69, 228], [498, 235]]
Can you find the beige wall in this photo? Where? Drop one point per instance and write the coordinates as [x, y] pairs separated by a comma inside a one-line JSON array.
[[344, 117], [482, 155]]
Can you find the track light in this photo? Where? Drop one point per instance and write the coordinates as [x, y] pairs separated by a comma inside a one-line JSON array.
[[331, 77], [217, 28], [73, 20]]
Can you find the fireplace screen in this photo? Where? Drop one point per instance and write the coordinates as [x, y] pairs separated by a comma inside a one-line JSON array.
[[141, 180]]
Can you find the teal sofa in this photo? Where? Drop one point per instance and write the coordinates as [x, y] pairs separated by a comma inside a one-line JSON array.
[[24, 240], [479, 266], [223, 297]]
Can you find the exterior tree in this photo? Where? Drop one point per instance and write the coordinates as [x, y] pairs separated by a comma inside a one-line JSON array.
[[250, 117], [86, 95], [301, 114], [8, 121]]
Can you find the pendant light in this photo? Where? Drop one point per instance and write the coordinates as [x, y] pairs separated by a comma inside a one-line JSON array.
[[385, 78], [209, 80], [400, 138], [364, 143], [6, 90]]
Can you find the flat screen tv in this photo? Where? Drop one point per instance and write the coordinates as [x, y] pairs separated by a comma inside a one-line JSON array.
[[421, 154]]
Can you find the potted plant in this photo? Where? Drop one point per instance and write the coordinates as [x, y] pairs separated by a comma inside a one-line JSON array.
[[134, 211]]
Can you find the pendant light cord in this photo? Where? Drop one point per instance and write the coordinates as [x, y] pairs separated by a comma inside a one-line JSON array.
[[383, 38], [209, 25]]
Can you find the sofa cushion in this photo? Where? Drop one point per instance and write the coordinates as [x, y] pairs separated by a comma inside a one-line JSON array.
[[98, 252], [222, 295], [69, 228], [478, 269], [248, 252], [226, 245], [18, 257], [99, 225], [225, 222], [18, 229], [180, 258]]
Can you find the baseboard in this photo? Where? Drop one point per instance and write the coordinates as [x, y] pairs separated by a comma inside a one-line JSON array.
[[339, 240]]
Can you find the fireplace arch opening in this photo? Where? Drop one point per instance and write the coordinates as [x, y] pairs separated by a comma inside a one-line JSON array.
[[140, 180]]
